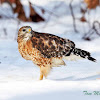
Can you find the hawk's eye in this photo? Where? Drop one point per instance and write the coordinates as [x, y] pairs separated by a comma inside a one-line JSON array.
[[24, 30]]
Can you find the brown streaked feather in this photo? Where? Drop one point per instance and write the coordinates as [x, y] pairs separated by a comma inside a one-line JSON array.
[[51, 46]]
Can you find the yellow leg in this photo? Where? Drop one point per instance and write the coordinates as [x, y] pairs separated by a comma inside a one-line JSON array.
[[41, 76]]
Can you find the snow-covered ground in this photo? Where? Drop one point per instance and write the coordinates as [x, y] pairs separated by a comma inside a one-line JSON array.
[[19, 78]]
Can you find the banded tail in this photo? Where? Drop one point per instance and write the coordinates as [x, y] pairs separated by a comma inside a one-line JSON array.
[[83, 54]]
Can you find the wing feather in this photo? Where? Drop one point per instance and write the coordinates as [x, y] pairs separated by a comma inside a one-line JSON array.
[[51, 46]]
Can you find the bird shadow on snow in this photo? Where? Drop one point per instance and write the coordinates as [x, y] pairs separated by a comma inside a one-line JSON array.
[[72, 78], [65, 79]]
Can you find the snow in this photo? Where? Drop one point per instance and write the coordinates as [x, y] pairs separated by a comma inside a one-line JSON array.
[[19, 78], [48, 89]]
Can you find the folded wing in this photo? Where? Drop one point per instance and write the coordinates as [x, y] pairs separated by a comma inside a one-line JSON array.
[[52, 46]]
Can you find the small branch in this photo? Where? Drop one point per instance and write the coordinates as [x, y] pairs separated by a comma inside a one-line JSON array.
[[92, 31], [72, 13], [94, 27]]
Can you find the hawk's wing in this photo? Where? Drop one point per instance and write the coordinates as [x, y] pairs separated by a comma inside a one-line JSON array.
[[51, 46]]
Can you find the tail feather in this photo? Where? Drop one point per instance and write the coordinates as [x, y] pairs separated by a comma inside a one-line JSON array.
[[92, 59], [83, 54]]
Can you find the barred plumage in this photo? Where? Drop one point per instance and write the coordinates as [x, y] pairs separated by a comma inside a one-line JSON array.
[[83, 54]]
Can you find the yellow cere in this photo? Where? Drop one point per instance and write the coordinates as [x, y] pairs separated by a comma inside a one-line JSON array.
[[29, 30]]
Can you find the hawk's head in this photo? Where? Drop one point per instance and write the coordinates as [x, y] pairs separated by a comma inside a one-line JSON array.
[[25, 33]]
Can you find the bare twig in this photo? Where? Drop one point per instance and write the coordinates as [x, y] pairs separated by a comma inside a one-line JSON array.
[[94, 27], [72, 13], [93, 30]]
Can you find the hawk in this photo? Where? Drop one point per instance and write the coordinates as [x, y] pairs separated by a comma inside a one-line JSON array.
[[47, 50]]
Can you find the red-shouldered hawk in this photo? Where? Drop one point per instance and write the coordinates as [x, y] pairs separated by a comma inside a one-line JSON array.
[[47, 50]]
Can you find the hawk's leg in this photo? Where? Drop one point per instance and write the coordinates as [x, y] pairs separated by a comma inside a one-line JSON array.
[[41, 76], [44, 71]]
